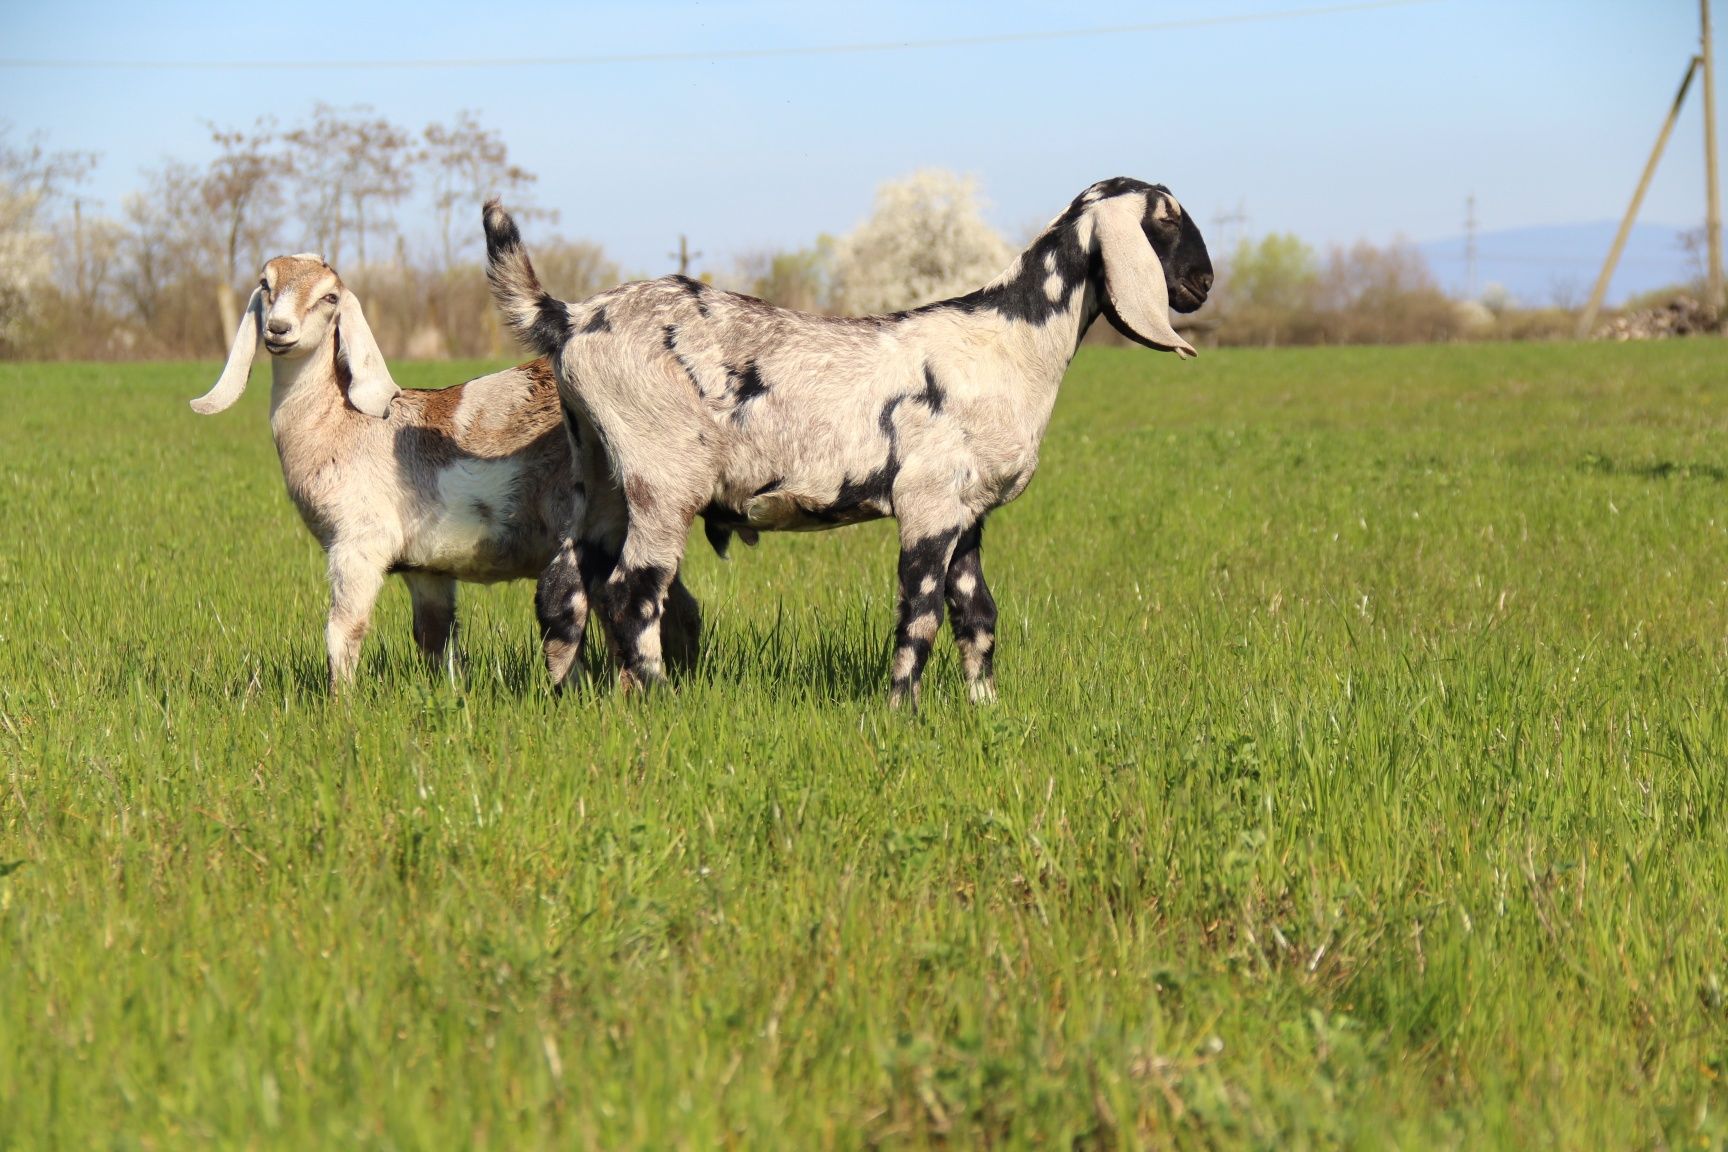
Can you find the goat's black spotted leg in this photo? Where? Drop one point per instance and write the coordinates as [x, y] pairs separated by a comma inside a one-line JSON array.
[[923, 575], [632, 601], [972, 614]]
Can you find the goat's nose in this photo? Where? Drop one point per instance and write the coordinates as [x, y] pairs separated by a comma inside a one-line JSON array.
[[1204, 281], [278, 327]]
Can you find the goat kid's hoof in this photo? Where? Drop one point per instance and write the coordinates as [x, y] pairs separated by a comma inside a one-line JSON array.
[[982, 691], [906, 698]]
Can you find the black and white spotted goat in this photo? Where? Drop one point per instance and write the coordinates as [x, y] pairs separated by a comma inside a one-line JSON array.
[[708, 402]]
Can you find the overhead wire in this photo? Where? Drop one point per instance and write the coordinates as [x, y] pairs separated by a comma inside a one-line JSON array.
[[725, 54]]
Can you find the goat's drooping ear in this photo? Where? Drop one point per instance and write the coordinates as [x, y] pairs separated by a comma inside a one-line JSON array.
[[370, 388], [232, 382], [1135, 293]]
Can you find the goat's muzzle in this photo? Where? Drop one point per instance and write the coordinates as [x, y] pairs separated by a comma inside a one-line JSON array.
[[1191, 292]]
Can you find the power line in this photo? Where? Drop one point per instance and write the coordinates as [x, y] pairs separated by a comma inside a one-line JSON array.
[[727, 53]]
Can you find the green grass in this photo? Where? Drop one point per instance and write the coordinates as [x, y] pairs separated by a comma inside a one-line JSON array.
[[1360, 779]]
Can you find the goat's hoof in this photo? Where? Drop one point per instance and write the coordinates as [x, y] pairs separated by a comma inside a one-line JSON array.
[[639, 681], [982, 691]]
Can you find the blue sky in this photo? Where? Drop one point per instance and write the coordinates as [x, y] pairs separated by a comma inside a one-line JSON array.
[[1364, 124]]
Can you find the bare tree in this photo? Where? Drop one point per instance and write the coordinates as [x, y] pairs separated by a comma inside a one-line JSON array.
[[86, 256], [243, 192], [170, 264], [467, 162], [348, 164]]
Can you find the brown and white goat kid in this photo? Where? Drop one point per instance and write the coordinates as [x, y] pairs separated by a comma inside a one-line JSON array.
[[474, 482], [690, 400]]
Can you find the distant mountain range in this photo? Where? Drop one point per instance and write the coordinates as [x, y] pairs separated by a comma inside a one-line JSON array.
[[1558, 264]]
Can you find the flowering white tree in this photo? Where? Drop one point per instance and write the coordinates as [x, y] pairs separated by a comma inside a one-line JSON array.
[[925, 240], [23, 262], [30, 178]]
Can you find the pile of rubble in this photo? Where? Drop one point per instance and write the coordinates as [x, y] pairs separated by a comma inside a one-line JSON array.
[[1681, 316]]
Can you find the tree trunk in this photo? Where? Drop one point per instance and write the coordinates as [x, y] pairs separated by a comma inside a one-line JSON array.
[[229, 311]]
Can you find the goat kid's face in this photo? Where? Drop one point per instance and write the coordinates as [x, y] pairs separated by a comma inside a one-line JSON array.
[[301, 295], [300, 303]]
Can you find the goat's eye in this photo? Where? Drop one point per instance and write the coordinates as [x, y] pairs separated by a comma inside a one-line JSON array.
[[330, 299]]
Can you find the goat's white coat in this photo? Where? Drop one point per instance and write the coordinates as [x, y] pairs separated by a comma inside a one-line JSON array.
[[468, 483]]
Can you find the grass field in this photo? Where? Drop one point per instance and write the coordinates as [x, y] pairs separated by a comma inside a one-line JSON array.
[[1360, 779]]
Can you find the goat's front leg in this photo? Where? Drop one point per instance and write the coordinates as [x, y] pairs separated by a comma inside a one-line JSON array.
[[434, 600], [972, 614], [354, 584], [924, 563]]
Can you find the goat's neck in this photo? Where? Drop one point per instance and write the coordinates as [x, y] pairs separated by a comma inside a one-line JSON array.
[[305, 398], [1049, 311], [304, 388]]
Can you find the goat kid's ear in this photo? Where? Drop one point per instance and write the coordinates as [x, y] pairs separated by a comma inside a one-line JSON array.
[[370, 388], [1134, 284], [235, 373]]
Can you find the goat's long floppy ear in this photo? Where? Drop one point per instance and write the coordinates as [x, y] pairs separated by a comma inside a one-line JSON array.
[[370, 388], [1134, 288], [235, 373]]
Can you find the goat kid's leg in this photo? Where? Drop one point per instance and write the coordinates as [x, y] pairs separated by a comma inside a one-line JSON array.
[[434, 600], [972, 614], [561, 606], [354, 585], [923, 575]]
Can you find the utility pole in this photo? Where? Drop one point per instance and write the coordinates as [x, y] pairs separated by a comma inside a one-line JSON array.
[[1470, 246], [684, 255], [1712, 207], [1231, 226], [1587, 320], [78, 250], [1704, 62]]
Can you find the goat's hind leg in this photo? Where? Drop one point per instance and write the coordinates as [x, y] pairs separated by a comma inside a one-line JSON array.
[[972, 614], [633, 600], [434, 599]]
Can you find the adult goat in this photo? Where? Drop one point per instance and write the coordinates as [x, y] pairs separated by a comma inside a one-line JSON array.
[[693, 401]]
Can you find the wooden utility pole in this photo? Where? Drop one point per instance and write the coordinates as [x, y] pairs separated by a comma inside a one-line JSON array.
[[1712, 209], [78, 251], [684, 255], [1587, 321], [1470, 246]]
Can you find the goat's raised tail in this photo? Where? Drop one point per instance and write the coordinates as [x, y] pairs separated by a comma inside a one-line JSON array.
[[539, 320]]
